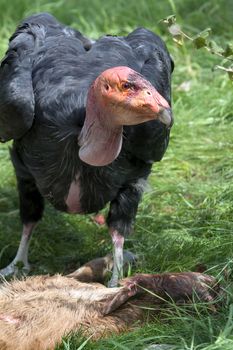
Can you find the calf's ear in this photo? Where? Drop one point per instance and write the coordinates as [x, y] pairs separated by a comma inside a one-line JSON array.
[[114, 301]]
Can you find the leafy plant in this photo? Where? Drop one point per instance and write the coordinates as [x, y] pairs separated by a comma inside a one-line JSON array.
[[202, 40]]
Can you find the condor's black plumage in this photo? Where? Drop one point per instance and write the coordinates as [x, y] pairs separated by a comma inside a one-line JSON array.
[[45, 78]]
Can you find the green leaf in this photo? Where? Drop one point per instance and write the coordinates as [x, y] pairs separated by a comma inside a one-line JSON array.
[[200, 40], [230, 74], [228, 50], [205, 33], [215, 48], [170, 20]]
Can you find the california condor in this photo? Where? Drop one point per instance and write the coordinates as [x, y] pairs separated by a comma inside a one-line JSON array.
[[88, 120]]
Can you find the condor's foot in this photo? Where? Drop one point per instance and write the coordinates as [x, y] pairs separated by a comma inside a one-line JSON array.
[[20, 266], [97, 270], [15, 268]]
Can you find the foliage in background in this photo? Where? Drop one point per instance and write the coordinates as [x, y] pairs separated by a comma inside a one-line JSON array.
[[186, 216], [202, 40]]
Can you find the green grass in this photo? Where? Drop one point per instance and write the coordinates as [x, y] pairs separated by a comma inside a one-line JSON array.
[[186, 216]]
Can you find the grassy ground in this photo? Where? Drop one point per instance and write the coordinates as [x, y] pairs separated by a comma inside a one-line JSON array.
[[186, 216]]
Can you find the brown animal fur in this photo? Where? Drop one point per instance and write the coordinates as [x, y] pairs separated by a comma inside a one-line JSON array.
[[37, 312]]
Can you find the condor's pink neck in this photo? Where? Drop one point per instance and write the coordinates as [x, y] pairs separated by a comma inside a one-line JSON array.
[[100, 139]]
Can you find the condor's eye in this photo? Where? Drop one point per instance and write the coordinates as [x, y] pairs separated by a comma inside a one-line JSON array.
[[106, 86], [127, 86]]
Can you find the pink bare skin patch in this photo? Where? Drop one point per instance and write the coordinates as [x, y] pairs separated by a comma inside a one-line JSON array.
[[99, 219], [9, 319], [117, 238], [100, 145], [73, 198]]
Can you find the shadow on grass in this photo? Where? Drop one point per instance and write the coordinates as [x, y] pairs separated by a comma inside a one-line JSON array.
[[60, 242]]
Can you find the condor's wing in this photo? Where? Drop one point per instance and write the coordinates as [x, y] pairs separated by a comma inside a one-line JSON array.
[[156, 65], [154, 59], [16, 91]]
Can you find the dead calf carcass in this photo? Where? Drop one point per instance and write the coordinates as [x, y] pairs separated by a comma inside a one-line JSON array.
[[37, 312]]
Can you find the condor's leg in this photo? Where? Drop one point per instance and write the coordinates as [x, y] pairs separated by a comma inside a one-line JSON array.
[[31, 210], [120, 221]]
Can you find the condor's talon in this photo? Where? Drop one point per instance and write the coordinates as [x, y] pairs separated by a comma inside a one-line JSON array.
[[20, 263], [14, 269], [8, 271]]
